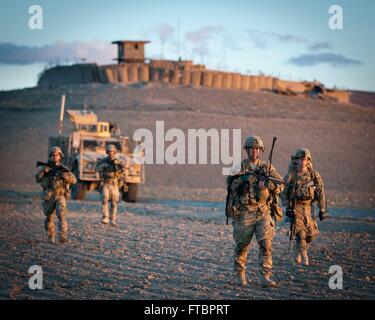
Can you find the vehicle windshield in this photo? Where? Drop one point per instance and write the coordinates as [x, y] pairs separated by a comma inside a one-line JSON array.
[[90, 145], [100, 145], [88, 127]]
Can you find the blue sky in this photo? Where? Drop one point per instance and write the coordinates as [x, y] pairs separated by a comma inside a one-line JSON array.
[[289, 39]]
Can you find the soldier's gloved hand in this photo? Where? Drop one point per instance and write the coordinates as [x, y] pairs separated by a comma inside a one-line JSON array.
[[65, 176], [270, 185], [323, 215], [289, 213], [262, 184], [47, 169], [110, 174]]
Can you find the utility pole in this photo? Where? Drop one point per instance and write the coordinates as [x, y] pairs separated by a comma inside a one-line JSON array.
[[62, 107]]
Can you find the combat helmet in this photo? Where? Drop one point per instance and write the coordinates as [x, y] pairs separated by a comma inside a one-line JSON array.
[[56, 149], [253, 142], [302, 153], [110, 147]]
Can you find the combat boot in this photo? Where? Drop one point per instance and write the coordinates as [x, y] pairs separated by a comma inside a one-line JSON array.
[[305, 258], [63, 239], [51, 239], [267, 282], [105, 220], [298, 258], [113, 223], [241, 279]]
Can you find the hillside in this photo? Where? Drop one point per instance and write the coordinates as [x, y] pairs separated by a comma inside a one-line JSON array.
[[340, 136]]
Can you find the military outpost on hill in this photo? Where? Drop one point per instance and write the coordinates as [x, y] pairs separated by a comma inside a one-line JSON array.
[[133, 67]]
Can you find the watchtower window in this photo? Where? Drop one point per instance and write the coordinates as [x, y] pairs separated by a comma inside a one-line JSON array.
[[136, 46]]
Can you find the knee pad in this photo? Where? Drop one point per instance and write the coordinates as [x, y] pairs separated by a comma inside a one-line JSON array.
[[309, 239]]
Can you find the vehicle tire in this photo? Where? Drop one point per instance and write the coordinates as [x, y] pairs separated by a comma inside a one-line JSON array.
[[79, 191], [131, 194]]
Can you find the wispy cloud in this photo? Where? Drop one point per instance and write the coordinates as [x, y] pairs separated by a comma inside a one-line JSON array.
[[164, 31], [333, 59], [93, 51], [265, 39], [322, 45], [201, 38]]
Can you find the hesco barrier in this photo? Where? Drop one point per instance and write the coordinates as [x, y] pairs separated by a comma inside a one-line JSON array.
[[164, 75], [109, 74], [155, 74], [144, 73], [175, 77], [245, 83], [217, 81], [185, 78], [227, 81], [136, 72], [255, 83], [268, 83], [133, 73], [102, 75], [297, 87], [122, 73], [196, 78], [207, 79], [236, 81]]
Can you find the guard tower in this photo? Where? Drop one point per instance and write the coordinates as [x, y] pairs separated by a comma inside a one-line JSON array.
[[130, 51]]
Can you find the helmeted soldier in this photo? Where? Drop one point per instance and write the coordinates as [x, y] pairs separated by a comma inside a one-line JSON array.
[[56, 179], [303, 187], [110, 170], [251, 212]]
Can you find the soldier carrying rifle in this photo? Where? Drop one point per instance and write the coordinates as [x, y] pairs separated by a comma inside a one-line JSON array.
[[55, 179], [252, 205], [110, 170], [303, 187]]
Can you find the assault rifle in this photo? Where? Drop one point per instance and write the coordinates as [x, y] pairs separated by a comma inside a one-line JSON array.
[[260, 173], [56, 170]]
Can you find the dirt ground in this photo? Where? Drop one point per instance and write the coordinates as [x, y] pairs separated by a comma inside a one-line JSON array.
[[173, 243], [171, 250]]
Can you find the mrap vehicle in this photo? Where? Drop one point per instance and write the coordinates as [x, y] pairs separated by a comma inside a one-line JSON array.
[[86, 144]]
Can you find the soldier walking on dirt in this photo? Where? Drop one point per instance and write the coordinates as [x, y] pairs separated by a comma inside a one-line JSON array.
[[56, 179], [303, 186], [110, 170], [251, 211]]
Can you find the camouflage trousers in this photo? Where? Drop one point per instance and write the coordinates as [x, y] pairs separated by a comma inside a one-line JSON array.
[[52, 206], [110, 193], [244, 228], [306, 228]]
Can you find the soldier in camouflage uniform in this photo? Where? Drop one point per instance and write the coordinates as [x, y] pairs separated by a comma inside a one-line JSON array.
[[110, 170], [56, 179], [303, 186], [250, 204]]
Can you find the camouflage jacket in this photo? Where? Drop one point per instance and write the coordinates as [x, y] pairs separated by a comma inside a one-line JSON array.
[[245, 193], [56, 181], [109, 169], [306, 187]]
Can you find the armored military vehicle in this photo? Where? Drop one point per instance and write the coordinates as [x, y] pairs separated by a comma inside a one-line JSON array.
[[86, 144]]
